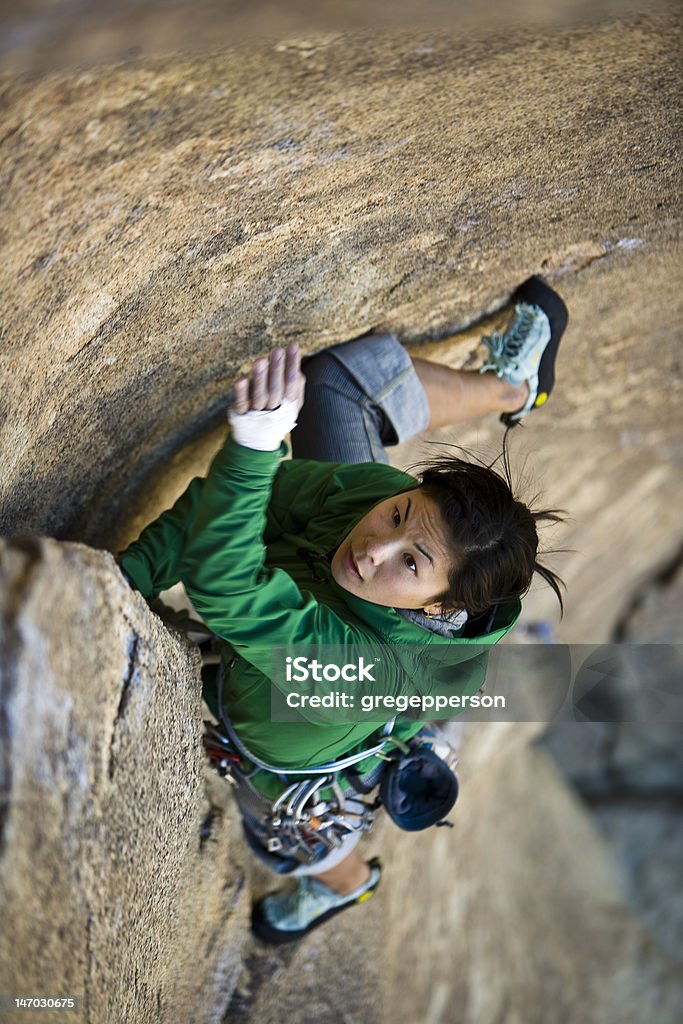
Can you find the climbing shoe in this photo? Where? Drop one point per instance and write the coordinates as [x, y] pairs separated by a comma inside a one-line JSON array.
[[287, 916], [526, 350]]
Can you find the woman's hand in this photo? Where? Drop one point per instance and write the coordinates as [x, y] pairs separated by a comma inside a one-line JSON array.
[[271, 380], [267, 403]]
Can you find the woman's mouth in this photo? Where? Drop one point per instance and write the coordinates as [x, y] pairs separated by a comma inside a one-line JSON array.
[[350, 565]]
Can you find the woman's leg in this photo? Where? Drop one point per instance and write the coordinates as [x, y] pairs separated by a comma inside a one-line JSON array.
[[347, 876], [367, 394], [457, 395]]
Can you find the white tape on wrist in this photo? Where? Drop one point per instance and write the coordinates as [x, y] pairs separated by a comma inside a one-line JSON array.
[[264, 431]]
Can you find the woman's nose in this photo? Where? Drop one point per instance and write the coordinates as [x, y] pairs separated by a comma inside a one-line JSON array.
[[376, 549]]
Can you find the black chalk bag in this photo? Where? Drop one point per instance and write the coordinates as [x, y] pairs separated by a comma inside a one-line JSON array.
[[418, 790]]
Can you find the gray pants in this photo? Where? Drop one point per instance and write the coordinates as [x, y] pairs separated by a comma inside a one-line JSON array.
[[360, 396]]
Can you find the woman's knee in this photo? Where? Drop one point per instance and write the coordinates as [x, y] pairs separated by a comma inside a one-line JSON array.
[[320, 368]]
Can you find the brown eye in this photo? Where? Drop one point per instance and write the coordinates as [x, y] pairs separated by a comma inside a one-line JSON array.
[[410, 562], [396, 517]]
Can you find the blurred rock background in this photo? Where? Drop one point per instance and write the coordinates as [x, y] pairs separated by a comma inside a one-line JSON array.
[[183, 187]]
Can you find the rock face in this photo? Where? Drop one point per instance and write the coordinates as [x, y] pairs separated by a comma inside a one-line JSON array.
[[107, 890], [164, 221]]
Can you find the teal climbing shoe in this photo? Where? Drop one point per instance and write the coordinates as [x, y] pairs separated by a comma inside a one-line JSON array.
[[526, 350], [288, 916]]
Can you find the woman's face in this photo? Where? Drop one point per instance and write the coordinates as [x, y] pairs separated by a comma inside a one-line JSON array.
[[397, 555]]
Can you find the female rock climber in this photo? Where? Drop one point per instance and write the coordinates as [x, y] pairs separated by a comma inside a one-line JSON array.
[[336, 547]]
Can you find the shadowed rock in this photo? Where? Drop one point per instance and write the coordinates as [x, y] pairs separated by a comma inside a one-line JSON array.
[[106, 890]]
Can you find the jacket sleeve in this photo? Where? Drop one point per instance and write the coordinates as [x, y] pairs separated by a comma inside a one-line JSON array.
[[152, 562], [223, 568]]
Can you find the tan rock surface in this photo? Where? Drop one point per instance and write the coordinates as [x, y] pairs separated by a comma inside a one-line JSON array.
[[105, 890], [526, 923]]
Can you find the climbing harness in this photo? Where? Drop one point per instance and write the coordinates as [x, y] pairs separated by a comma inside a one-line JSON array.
[[313, 815]]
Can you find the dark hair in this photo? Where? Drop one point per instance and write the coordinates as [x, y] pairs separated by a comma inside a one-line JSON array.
[[493, 535]]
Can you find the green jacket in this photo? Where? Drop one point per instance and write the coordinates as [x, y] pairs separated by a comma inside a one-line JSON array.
[[249, 543]]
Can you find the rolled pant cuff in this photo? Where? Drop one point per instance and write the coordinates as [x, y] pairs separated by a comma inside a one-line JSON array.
[[384, 371]]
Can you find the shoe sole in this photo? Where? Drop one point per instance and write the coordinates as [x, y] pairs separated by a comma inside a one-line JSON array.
[[538, 293], [264, 931]]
